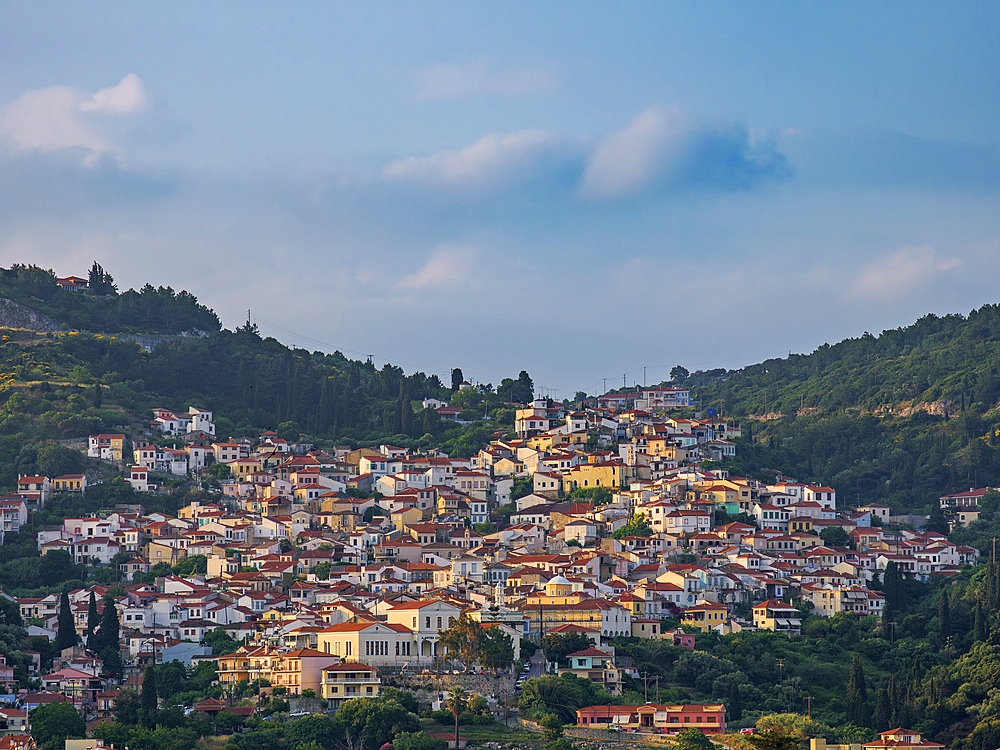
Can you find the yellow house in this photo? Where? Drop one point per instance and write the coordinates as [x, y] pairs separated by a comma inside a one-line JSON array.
[[801, 523], [405, 516], [244, 467], [706, 616], [70, 483], [342, 682], [108, 447], [557, 591], [235, 667], [607, 474]]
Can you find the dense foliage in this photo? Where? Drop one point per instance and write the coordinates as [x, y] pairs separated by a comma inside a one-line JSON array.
[[901, 418]]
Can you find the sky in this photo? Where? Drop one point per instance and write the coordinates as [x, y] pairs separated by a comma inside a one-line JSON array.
[[593, 192]]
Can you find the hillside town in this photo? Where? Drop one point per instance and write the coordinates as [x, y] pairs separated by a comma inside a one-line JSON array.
[[334, 568]]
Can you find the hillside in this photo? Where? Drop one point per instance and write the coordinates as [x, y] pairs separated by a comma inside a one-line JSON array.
[[900, 418]]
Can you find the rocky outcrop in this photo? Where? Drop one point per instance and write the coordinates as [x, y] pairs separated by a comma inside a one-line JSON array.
[[15, 315]]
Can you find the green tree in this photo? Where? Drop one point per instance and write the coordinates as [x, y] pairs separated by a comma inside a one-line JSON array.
[[552, 727], [774, 739], [638, 526], [53, 723], [496, 649], [463, 640], [318, 728], [126, 707], [148, 698], [65, 630], [883, 711], [944, 616], [220, 641], [93, 618], [678, 373], [693, 739], [835, 536], [108, 646], [418, 741], [856, 696], [374, 721], [558, 646], [979, 626]]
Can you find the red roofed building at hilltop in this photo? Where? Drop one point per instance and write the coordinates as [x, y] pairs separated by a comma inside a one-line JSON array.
[[653, 719], [964, 500], [900, 739]]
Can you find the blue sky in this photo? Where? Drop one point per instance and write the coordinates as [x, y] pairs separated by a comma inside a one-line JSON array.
[[576, 189]]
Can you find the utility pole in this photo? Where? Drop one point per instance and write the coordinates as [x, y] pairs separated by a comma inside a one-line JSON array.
[[645, 686], [809, 703], [781, 671]]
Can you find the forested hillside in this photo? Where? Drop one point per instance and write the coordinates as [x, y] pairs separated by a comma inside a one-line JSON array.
[[102, 309], [900, 418]]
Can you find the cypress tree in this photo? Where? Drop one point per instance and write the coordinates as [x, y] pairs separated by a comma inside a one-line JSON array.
[[979, 629], [408, 418], [147, 699], [93, 619], [397, 417], [892, 585], [735, 702], [944, 616], [108, 646], [993, 589], [883, 712], [895, 701], [857, 696], [66, 632]]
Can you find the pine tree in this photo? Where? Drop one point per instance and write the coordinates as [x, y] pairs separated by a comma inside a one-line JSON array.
[[147, 700], [944, 616], [883, 711], [93, 619], [98, 396], [66, 632], [857, 696]]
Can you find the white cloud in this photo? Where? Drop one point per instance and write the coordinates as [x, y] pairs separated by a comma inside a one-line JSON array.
[[492, 161], [631, 159], [906, 272], [126, 97], [60, 117], [475, 78], [664, 147], [447, 265]]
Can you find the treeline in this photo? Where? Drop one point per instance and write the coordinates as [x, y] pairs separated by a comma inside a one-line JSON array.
[[901, 418], [102, 309], [952, 358], [71, 385]]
